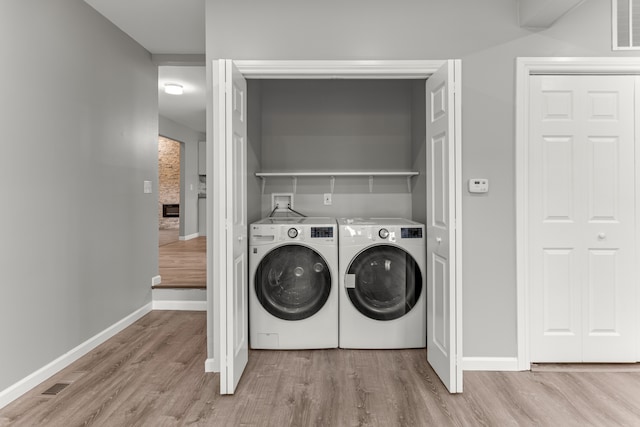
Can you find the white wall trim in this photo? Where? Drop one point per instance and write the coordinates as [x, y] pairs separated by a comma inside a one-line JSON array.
[[180, 305], [589, 65], [24, 385], [189, 236], [406, 69], [525, 67], [210, 365], [490, 364], [637, 240], [156, 280]]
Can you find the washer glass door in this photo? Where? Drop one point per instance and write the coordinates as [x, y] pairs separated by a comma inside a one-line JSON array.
[[293, 282], [383, 282]]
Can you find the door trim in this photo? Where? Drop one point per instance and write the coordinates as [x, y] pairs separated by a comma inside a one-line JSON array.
[[304, 69], [411, 69], [525, 67]]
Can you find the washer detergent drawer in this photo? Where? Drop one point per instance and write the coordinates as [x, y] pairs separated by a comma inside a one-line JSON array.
[[262, 238]]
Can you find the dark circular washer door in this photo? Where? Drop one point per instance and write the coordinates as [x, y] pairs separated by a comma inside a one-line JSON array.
[[386, 282], [293, 282]]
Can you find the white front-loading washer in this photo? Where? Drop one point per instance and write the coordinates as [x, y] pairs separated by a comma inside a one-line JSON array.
[[382, 283], [293, 289]]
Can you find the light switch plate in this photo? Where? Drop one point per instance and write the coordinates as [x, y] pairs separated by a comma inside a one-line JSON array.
[[478, 185], [147, 187]]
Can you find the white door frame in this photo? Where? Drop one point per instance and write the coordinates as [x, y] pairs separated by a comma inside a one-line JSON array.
[[525, 67], [304, 69]]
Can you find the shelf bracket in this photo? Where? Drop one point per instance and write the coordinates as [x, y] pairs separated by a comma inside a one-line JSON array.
[[332, 183], [294, 180], [408, 184], [370, 183], [264, 182]]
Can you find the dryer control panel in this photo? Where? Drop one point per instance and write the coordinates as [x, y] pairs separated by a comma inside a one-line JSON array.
[[396, 231]]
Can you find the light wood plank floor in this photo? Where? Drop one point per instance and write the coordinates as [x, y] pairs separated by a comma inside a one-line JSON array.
[[182, 263], [152, 374], [168, 236]]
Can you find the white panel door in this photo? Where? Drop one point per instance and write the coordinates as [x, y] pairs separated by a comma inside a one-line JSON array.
[[582, 219], [234, 313], [443, 197]]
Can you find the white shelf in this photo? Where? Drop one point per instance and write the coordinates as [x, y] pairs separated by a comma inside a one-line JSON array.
[[298, 174], [332, 175]]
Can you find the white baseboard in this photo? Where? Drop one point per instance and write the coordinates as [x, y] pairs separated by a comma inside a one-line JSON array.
[[24, 385], [490, 364], [180, 305], [210, 365], [189, 236]]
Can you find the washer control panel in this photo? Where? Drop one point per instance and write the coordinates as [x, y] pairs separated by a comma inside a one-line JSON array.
[[264, 232], [321, 232], [411, 232]]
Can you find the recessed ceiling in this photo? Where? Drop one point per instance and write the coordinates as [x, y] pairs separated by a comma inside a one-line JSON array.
[[175, 27], [160, 26], [169, 27]]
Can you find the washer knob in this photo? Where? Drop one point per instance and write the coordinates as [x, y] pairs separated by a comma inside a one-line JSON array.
[[292, 233], [383, 233]]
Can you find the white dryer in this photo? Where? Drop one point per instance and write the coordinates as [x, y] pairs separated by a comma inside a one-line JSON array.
[[382, 283], [293, 290]]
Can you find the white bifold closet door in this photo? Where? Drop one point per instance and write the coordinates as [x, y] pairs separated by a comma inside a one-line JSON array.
[[444, 292], [582, 212], [234, 307]]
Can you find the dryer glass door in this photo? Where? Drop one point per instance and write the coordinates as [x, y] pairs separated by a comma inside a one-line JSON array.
[[293, 282], [383, 282]]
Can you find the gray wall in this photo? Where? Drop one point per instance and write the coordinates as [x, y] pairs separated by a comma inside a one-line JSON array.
[[189, 180], [336, 125], [419, 151], [485, 35], [254, 151], [79, 129]]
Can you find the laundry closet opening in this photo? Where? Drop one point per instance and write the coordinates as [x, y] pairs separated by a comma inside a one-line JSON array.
[[339, 126], [382, 142], [321, 150]]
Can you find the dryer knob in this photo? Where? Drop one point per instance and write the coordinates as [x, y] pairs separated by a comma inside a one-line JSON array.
[[383, 233], [292, 233]]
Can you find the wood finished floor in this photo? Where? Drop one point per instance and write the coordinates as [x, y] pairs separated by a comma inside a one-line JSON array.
[[152, 374], [182, 263]]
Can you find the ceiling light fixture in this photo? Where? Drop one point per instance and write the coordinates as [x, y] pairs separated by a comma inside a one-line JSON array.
[[173, 89]]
